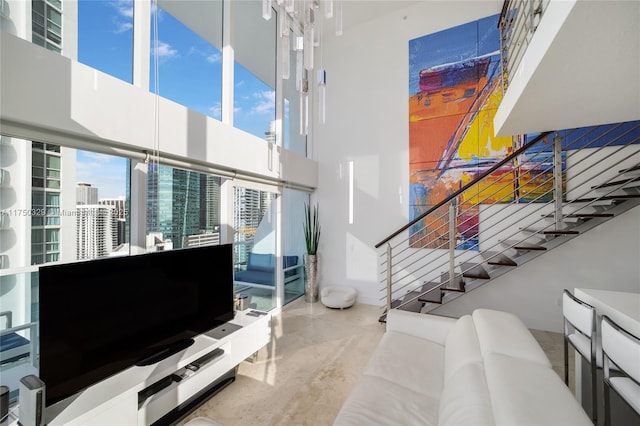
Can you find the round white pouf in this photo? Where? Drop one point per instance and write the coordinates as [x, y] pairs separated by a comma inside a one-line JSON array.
[[338, 297]]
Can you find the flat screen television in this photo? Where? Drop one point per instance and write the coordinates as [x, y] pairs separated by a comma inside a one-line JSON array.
[[102, 316]]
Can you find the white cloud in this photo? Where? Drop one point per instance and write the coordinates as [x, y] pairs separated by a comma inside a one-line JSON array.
[[165, 51], [123, 21], [214, 58], [216, 111], [266, 102], [210, 57], [124, 8]]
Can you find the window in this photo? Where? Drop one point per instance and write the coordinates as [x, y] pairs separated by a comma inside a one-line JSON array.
[[183, 208], [254, 70], [46, 24], [189, 65], [105, 36]]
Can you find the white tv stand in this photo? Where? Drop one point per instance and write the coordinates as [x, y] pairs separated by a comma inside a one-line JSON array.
[[144, 395]]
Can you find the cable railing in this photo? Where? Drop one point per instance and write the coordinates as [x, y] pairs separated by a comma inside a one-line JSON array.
[[518, 22], [532, 200]]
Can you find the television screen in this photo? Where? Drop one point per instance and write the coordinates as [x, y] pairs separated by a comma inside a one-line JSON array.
[[102, 316]]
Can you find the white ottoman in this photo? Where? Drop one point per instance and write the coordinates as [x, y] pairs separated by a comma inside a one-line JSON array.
[[338, 297]]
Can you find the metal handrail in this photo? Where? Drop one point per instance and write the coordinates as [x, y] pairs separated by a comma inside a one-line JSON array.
[[466, 187], [405, 266]]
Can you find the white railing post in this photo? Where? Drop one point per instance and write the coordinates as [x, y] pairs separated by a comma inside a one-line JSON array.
[[388, 277], [452, 240], [557, 181]]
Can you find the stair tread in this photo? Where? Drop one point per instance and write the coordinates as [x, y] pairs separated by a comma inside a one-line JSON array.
[[430, 292], [616, 183], [590, 215], [551, 231], [474, 270], [498, 259], [608, 198], [413, 306], [635, 168], [519, 245]]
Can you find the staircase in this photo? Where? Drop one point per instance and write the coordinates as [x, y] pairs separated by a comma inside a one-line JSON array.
[[558, 186]]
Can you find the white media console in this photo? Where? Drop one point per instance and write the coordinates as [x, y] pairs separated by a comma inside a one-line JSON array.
[[144, 395]]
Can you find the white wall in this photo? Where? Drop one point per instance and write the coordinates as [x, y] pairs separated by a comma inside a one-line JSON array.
[[367, 123]]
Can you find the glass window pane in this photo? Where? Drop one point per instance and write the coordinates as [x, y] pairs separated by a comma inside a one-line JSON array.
[[53, 162], [54, 16], [37, 182], [54, 30], [254, 69], [183, 208], [105, 37], [254, 246], [39, 30], [38, 6], [37, 199], [53, 173], [37, 172], [37, 221], [37, 159], [53, 199], [53, 220], [53, 48], [37, 236], [182, 52], [56, 3], [52, 234], [53, 184], [52, 257], [52, 148]]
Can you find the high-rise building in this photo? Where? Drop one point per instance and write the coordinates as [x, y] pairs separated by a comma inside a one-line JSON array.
[[119, 217], [53, 231], [173, 203], [94, 230], [86, 194], [210, 203]]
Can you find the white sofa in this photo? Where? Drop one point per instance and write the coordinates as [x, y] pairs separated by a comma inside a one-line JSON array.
[[481, 369]]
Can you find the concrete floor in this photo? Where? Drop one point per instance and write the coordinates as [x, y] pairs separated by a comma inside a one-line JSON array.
[[314, 359]]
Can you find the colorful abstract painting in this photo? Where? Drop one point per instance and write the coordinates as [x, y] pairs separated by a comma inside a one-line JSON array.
[[455, 89]]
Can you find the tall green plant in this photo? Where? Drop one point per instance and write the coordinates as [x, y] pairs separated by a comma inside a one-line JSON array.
[[311, 228]]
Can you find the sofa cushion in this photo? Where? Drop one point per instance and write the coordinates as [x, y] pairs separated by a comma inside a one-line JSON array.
[[504, 333], [528, 393], [255, 277], [375, 401], [425, 326], [261, 262], [461, 346], [465, 398], [410, 362]]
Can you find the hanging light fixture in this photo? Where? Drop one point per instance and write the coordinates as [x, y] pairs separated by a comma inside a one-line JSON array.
[[307, 14]]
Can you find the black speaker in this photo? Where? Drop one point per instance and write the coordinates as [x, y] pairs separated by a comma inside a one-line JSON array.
[[4, 404], [31, 401]]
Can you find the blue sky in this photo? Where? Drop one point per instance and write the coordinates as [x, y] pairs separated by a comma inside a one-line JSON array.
[[189, 73]]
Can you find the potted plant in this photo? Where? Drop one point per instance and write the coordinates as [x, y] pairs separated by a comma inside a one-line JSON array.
[[312, 238]]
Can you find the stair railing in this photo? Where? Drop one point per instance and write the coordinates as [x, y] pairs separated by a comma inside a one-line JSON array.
[[518, 22], [523, 200]]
